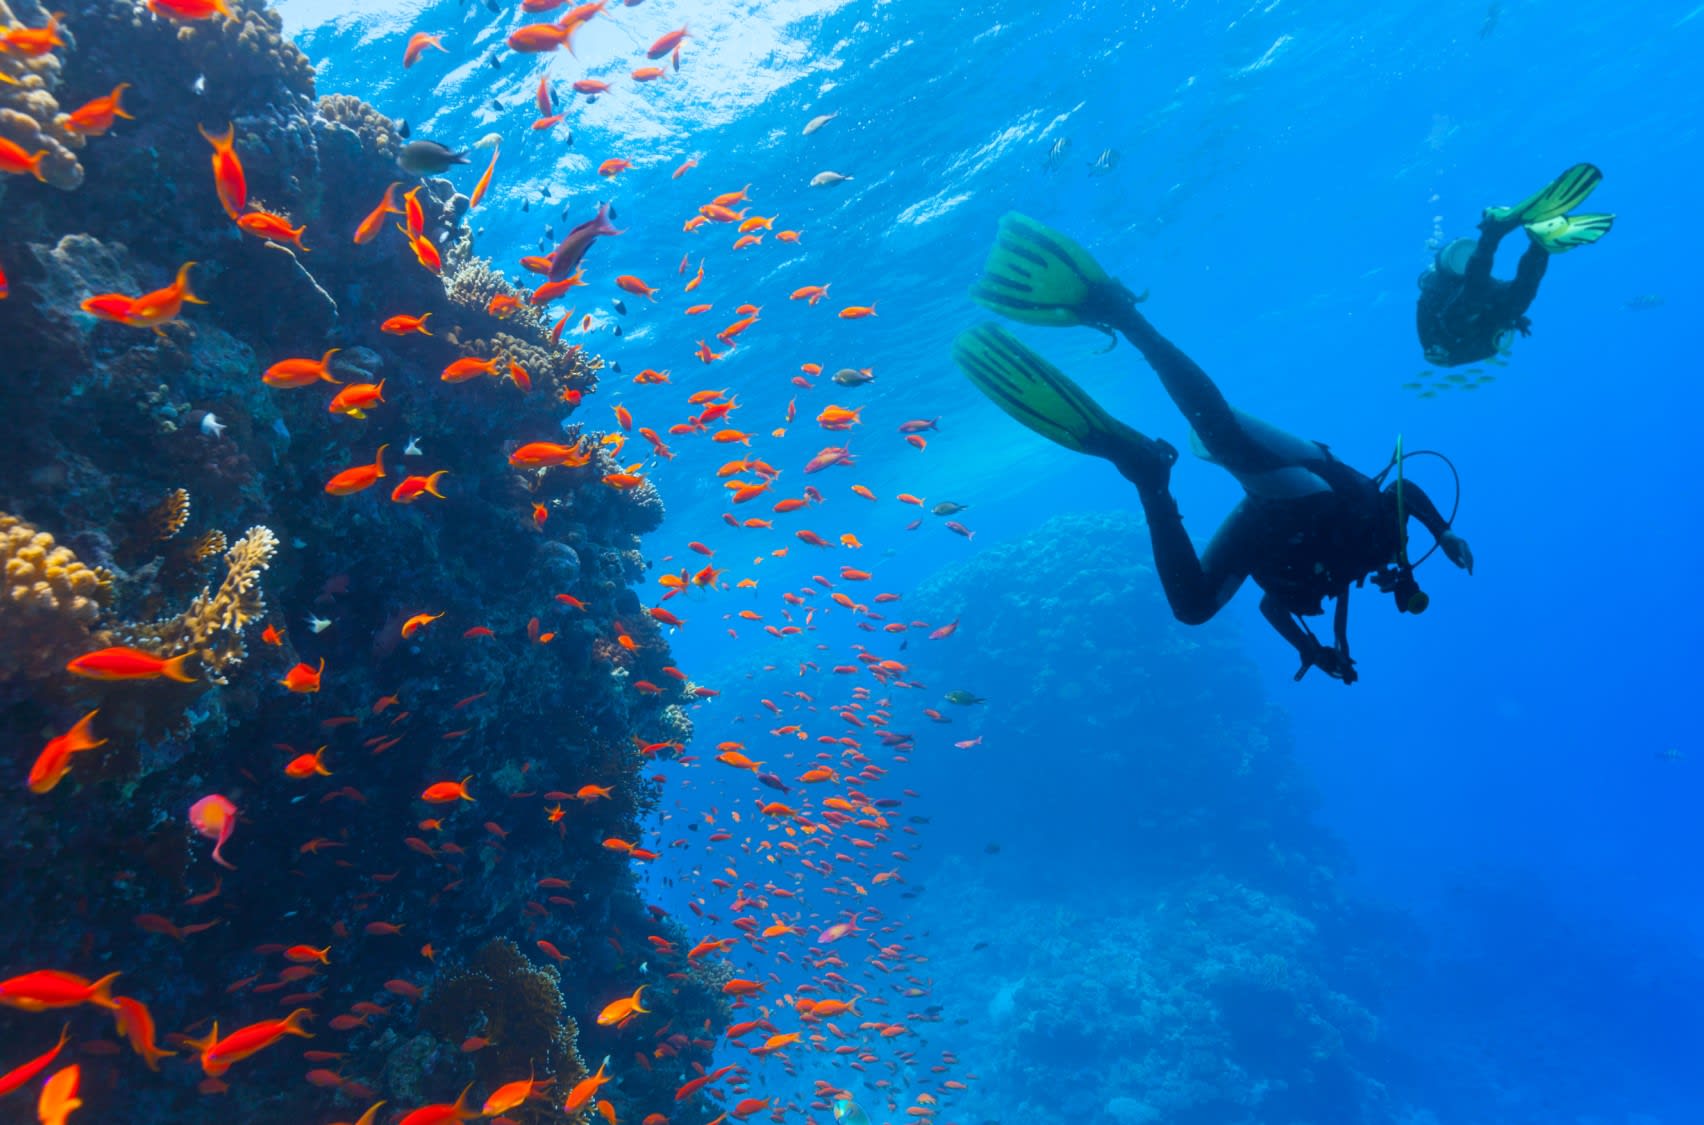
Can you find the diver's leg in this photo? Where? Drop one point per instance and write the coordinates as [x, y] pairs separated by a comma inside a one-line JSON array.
[[1196, 586], [1478, 269], [1527, 276], [1194, 393]]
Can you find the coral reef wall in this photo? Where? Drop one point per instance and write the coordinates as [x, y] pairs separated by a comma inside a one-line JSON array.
[[158, 494]]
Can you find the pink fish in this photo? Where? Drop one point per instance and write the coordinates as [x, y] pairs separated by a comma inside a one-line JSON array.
[[566, 257], [215, 818], [833, 455], [918, 425]]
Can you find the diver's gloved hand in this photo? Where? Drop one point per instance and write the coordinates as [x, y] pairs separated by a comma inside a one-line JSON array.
[[1456, 550], [1331, 661]]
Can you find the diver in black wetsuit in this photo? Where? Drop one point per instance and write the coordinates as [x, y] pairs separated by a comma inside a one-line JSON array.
[[1464, 314], [1309, 528]]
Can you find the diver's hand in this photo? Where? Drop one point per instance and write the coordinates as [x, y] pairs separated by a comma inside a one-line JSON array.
[[1456, 550], [1331, 661]]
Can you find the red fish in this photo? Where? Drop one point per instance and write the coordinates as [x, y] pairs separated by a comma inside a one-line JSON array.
[[218, 1054], [119, 663], [302, 679], [15, 161], [228, 179], [351, 481], [54, 761], [369, 228], [300, 372], [48, 988], [413, 488], [94, 118], [666, 44], [417, 44], [272, 228]]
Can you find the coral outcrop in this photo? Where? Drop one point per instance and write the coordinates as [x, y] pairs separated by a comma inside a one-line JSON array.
[[50, 604]]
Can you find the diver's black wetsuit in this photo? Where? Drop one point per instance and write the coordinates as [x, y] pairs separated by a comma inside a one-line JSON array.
[[1298, 551], [1462, 318]]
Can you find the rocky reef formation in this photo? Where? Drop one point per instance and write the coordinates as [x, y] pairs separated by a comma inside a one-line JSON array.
[[130, 463], [1156, 915]]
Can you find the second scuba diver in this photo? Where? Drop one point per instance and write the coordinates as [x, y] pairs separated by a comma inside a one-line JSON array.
[[1466, 315], [1309, 526]]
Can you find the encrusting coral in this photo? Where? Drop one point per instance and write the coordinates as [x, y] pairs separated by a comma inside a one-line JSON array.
[[51, 602]]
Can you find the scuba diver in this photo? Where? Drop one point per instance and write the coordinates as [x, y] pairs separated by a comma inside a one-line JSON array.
[[1309, 526], [1465, 315]]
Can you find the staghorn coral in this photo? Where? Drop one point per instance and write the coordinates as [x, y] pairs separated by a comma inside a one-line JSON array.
[[212, 625], [50, 603], [378, 133], [29, 113], [517, 1004], [206, 546]]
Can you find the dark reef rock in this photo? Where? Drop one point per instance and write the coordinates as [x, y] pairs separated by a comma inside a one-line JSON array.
[[101, 420]]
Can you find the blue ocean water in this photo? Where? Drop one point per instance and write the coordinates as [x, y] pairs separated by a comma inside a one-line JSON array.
[[1498, 776], [1134, 873]]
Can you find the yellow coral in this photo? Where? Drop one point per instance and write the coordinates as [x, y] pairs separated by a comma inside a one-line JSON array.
[[167, 518], [212, 625], [207, 546], [378, 133], [49, 605]]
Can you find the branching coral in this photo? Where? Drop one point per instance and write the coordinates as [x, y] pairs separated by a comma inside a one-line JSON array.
[[167, 518], [212, 625], [515, 1004], [29, 113], [50, 603]]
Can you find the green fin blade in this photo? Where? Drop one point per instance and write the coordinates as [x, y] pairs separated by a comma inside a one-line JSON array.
[[1557, 198], [1036, 275], [1033, 391]]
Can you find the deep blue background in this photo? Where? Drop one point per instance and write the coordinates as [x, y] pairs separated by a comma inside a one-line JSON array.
[[1286, 169]]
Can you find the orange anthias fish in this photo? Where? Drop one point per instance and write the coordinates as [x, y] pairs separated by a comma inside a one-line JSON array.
[[272, 228], [414, 487], [369, 228], [484, 183], [510, 1095], [93, 118], [15, 161], [360, 477], [58, 1098], [666, 44], [443, 1113], [542, 454], [32, 42], [612, 166], [622, 1009], [635, 286], [356, 398], [417, 44], [307, 765], [304, 680], [857, 312], [54, 761], [136, 1024], [218, 1054], [228, 179], [403, 325], [445, 792], [49, 988], [215, 818], [585, 1089], [418, 622], [119, 663], [301, 372], [469, 367], [153, 309]]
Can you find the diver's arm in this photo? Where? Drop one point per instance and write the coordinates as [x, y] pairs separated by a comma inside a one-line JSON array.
[[1332, 661], [1417, 504]]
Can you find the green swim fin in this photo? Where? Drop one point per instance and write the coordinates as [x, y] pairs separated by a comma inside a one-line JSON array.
[[1559, 197], [1038, 276], [1565, 232], [1033, 391]]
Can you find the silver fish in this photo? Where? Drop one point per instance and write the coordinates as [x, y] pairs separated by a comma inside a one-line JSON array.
[[816, 123], [1057, 153], [828, 179], [1103, 164]]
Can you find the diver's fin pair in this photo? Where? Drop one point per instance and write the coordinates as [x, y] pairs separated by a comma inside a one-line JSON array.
[[1566, 232], [1047, 401], [1555, 200]]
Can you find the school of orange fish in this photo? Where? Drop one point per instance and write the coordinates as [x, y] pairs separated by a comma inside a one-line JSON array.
[[823, 851]]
